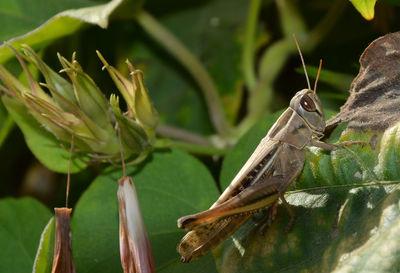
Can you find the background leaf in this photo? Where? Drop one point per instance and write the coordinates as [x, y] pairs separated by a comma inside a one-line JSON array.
[[37, 31], [169, 185], [21, 223]]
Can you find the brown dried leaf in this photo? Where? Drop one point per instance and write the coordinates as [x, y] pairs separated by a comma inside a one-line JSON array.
[[374, 100]]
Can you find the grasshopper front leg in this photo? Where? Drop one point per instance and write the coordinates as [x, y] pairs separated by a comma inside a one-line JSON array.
[[333, 147]]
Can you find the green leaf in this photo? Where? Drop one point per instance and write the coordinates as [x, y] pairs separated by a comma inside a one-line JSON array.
[[340, 224], [42, 143], [380, 252], [169, 185], [44, 255], [365, 8], [21, 223], [28, 22]]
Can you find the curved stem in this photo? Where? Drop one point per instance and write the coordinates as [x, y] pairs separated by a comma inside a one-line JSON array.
[[180, 134], [189, 147], [193, 65], [276, 55], [248, 47]]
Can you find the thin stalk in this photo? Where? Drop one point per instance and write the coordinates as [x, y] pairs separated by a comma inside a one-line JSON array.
[[193, 65], [180, 134], [191, 148], [248, 47], [69, 171], [6, 129]]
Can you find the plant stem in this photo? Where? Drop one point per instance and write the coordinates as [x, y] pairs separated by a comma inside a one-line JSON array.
[[6, 129], [271, 64], [275, 56], [248, 47], [180, 134], [189, 147], [193, 65]]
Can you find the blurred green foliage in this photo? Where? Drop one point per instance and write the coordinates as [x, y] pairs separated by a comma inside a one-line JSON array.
[[213, 69]]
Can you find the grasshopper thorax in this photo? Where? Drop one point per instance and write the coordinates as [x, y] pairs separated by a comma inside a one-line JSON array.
[[308, 106]]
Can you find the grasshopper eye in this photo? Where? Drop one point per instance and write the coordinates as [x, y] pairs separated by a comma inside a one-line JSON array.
[[307, 104]]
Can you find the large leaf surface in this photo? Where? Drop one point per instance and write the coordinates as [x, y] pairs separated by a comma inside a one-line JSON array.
[[21, 223], [169, 185]]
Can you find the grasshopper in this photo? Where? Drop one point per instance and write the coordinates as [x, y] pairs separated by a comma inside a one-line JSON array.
[[276, 162]]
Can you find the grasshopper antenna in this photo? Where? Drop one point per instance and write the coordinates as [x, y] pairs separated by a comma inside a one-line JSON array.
[[302, 61], [316, 80]]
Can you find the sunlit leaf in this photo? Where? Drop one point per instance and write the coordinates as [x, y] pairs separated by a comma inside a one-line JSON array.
[[365, 8]]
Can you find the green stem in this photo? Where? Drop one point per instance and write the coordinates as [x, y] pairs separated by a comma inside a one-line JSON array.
[[276, 55], [189, 147], [193, 65], [271, 64], [6, 129], [248, 47], [181, 134]]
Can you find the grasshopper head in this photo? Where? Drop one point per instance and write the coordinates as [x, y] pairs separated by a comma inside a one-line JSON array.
[[307, 104]]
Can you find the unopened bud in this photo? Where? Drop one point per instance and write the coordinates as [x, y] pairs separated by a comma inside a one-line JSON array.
[[135, 249]]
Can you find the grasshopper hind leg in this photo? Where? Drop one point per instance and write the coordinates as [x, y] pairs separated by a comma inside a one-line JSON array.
[[272, 214], [291, 212], [270, 217]]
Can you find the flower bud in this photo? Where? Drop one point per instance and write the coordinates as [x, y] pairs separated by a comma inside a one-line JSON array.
[[134, 93], [135, 249], [132, 134], [143, 108], [79, 107], [89, 97]]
